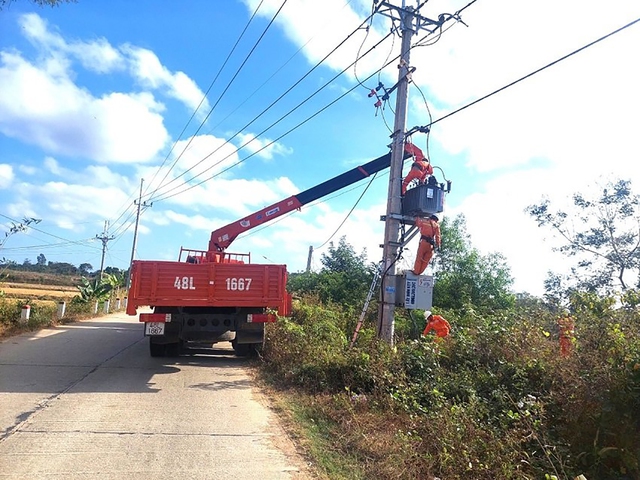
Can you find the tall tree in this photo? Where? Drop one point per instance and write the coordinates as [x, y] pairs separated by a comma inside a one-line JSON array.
[[85, 268], [602, 233], [344, 278], [466, 277]]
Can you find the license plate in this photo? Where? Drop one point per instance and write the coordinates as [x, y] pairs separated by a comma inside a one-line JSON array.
[[154, 328]]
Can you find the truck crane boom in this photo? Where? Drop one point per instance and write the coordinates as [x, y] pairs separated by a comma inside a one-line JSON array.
[[222, 237], [217, 296]]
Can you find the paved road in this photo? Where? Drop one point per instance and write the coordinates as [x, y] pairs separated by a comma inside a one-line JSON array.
[[86, 401]]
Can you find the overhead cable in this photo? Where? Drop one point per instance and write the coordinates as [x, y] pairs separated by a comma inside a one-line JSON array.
[[219, 99], [536, 71], [163, 195]]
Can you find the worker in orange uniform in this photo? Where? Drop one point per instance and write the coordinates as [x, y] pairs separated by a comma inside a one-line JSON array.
[[429, 241], [420, 168], [566, 329], [436, 323]]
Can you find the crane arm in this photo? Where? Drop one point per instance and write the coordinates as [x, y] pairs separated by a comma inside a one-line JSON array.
[[222, 237]]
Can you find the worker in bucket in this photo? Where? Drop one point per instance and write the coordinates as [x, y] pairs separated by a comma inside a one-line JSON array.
[[429, 241], [436, 323], [420, 168]]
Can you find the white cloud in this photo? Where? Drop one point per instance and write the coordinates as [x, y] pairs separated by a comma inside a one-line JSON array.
[[48, 110], [231, 199], [263, 147], [41, 104], [28, 170], [62, 201], [98, 56], [320, 28], [6, 175], [52, 165], [146, 67]]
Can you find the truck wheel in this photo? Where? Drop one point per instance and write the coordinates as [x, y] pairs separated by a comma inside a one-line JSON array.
[[246, 349], [156, 349]]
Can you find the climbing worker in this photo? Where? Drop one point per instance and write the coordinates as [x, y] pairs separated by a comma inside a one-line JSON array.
[[420, 168], [436, 323], [429, 241], [566, 329]]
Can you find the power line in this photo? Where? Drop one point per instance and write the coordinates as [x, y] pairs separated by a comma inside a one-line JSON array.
[[239, 69], [256, 90], [350, 212], [202, 101], [268, 128], [536, 71], [77, 242], [163, 195]]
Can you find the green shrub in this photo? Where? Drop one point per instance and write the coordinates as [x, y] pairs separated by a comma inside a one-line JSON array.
[[494, 400]]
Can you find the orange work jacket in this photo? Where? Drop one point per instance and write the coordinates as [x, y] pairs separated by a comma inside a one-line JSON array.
[[439, 325], [430, 229]]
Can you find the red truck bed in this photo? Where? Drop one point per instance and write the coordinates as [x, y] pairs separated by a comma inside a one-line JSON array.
[[157, 283]]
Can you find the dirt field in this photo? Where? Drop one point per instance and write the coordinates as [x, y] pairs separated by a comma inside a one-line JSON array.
[[21, 290]]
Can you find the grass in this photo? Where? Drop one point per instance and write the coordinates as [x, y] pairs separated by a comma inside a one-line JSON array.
[[46, 280], [314, 433]]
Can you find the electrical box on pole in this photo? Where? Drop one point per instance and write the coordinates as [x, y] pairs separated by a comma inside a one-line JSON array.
[[414, 291]]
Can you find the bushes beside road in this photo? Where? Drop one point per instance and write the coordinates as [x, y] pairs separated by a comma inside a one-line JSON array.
[[44, 302], [496, 400]]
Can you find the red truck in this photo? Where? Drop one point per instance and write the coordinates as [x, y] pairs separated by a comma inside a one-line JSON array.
[[207, 297], [210, 296]]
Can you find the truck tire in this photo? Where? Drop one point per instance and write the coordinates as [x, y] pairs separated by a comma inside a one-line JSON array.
[[246, 349], [156, 349], [173, 349]]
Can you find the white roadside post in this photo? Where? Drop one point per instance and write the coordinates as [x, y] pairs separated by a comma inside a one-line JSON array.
[[24, 314], [61, 308]]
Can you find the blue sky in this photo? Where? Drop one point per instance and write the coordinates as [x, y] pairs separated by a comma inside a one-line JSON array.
[[94, 96]]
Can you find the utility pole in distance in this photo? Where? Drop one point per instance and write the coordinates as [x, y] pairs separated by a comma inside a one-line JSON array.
[[309, 258], [104, 238], [139, 203]]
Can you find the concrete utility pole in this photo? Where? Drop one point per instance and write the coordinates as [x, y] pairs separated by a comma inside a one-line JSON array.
[[139, 203], [105, 239], [309, 258], [394, 205]]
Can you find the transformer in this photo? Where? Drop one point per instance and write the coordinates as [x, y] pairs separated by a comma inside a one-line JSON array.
[[423, 200]]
